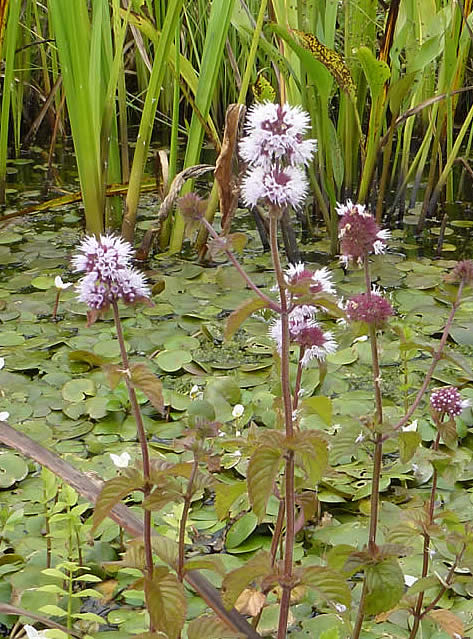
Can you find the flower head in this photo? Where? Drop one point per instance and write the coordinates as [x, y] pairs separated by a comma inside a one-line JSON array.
[[59, 284], [281, 186], [121, 461], [306, 332], [275, 133], [238, 411], [448, 400], [319, 281], [109, 276], [461, 272], [358, 233], [370, 308], [316, 343], [104, 256]]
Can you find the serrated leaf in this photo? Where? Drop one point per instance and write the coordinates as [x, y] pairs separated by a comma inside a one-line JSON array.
[[144, 379], [166, 602], [162, 496], [385, 586], [88, 357], [237, 580], [319, 405], [240, 314], [311, 449], [212, 562], [226, 495], [449, 622], [113, 491], [330, 585], [423, 584], [114, 374], [408, 443], [166, 549], [262, 472], [448, 432], [211, 627]]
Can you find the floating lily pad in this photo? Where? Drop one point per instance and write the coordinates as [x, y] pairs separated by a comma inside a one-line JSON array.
[[13, 468], [76, 389], [172, 360]]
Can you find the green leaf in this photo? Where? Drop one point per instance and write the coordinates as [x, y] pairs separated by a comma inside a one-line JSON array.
[[330, 634], [173, 360], [376, 71], [166, 602], [237, 580], [146, 381], [211, 627], [262, 472], [241, 530], [166, 549], [312, 451], [385, 586], [408, 443], [113, 491], [319, 405], [226, 495], [330, 585], [448, 621], [87, 356], [75, 390], [240, 314]]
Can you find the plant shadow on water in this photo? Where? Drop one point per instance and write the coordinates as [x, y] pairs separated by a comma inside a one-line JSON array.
[[58, 396]]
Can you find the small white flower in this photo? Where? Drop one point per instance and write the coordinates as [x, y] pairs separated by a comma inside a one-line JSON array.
[[282, 187], [195, 392], [362, 338], [432, 553], [4, 415], [32, 633], [58, 283], [415, 468], [360, 438], [340, 607], [121, 461], [2, 362], [221, 433], [238, 433], [409, 580], [238, 410], [237, 453], [410, 427]]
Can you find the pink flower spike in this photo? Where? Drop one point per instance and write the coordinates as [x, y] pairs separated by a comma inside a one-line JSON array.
[[448, 400], [275, 134], [279, 186], [319, 281], [372, 309], [359, 234], [316, 343]]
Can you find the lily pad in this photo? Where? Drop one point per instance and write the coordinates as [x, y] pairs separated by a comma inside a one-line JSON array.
[[173, 360], [13, 468]]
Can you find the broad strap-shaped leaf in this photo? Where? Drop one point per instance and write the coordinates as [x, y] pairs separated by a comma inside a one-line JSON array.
[[263, 470], [377, 72], [312, 453], [385, 586], [113, 491], [241, 313], [166, 602], [226, 495], [211, 627], [330, 585], [237, 580], [144, 379], [331, 60], [448, 621]]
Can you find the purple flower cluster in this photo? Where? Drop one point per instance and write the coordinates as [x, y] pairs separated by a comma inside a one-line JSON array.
[[447, 400], [319, 281], [358, 233], [109, 275], [370, 308], [276, 151]]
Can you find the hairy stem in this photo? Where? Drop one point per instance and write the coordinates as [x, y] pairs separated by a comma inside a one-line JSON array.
[[426, 556], [297, 386], [136, 412], [183, 522], [287, 403], [269, 302]]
